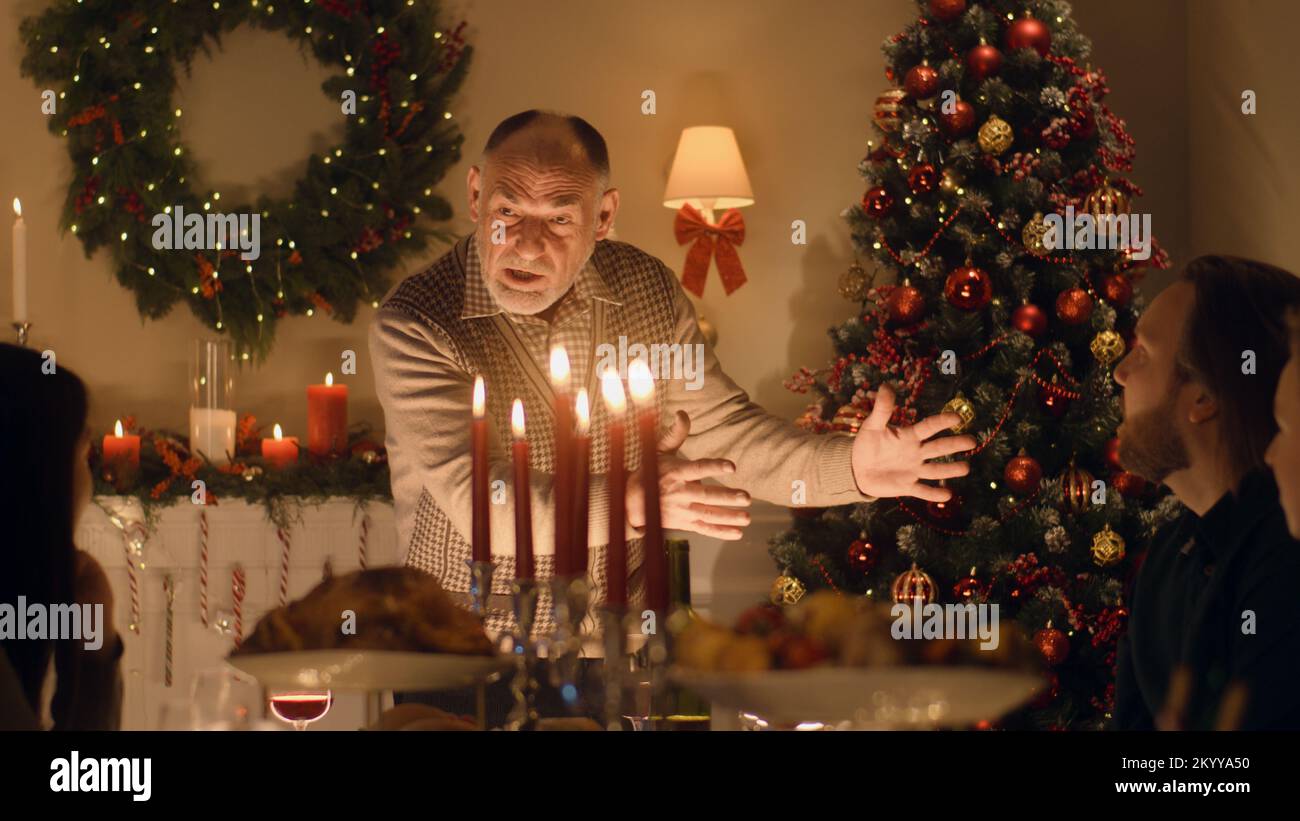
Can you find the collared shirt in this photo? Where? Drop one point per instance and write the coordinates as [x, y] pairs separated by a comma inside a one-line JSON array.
[[1220, 594], [570, 326]]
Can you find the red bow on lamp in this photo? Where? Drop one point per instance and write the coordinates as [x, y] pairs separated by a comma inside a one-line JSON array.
[[709, 241]]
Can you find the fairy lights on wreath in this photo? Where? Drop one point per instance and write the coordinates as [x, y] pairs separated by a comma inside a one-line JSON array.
[[354, 214]]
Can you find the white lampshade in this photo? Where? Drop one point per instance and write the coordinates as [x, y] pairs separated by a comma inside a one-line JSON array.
[[707, 171]]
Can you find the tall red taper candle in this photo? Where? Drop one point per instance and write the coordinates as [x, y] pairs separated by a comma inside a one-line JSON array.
[[481, 529], [563, 480], [327, 417], [523, 502], [641, 384], [581, 482], [616, 475]]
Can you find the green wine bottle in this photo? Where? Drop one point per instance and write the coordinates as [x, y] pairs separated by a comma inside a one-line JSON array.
[[682, 708]]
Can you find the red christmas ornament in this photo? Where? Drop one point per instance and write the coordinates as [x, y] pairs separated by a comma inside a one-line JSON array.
[[863, 555], [1029, 319], [968, 288], [905, 305], [1052, 401], [959, 121], [1110, 452], [970, 588], [983, 61], [1028, 32], [914, 584], [1022, 474], [1053, 644], [878, 202], [1129, 485], [922, 178], [922, 81], [947, 10], [1074, 306], [1117, 289]]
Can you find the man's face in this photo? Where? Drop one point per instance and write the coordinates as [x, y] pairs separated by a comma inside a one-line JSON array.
[[539, 210], [1151, 439], [1283, 453]]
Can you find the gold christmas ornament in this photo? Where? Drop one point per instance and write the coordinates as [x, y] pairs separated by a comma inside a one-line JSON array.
[[1106, 201], [914, 584], [1032, 235], [787, 590], [889, 106], [1107, 547], [1108, 347], [848, 418], [950, 180], [995, 136], [854, 283], [1076, 489], [961, 406]]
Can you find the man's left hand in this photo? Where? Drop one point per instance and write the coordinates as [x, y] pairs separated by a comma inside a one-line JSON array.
[[890, 462]]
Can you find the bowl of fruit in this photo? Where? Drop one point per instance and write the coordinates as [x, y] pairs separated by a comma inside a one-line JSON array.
[[837, 659]]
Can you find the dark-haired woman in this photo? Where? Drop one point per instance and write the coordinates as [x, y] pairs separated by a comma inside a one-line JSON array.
[[45, 483]]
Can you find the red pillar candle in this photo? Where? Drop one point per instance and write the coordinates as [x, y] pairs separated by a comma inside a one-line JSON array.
[[327, 417], [523, 503], [119, 448], [280, 451], [616, 549], [562, 486], [581, 481], [641, 384], [481, 530]]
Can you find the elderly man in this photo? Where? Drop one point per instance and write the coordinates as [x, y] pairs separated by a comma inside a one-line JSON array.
[[539, 272]]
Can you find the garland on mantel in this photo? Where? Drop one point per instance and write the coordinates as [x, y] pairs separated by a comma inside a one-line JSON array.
[[167, 471]]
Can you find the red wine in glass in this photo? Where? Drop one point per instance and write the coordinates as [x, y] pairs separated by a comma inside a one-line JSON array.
[[300, 709]]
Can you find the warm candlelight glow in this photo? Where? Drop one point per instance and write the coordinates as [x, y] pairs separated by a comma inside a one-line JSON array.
[[117, 428], [517, 419], [639, 381], [559, 367], [480, 398], [278, 433], [18, 208], [612, 389], [329, 378], [583, 406]]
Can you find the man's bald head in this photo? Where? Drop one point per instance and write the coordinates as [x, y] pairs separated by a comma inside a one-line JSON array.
[[553, 138]]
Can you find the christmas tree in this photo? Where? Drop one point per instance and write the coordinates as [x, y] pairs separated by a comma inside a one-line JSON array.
[[999, 125]]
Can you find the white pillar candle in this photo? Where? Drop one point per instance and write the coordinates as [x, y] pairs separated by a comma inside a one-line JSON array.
[[20, 263], [212, 431]]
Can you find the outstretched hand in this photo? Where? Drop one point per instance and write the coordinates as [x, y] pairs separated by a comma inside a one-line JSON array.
[[890, 462], [686, 502]]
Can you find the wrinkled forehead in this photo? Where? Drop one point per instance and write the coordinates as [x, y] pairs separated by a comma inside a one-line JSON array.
[[539, 162]]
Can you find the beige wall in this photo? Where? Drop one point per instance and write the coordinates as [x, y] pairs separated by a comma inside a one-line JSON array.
[[795, 79]]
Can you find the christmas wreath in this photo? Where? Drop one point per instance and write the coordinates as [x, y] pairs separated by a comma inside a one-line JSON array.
[[359, 207]]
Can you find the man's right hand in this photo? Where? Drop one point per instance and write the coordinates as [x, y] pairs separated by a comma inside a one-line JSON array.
[[688, 504]]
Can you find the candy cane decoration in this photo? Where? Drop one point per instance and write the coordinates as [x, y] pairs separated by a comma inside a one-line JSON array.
[[284, 565], [365, 540], [169, 587], [237, 590], [203, 566], [134, 624]]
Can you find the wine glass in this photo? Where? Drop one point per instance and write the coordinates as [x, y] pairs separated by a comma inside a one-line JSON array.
[[224, 699], [301, 708]]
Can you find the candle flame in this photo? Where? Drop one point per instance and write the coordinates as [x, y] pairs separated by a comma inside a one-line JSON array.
[[329, 378], [639, 381], [18, 207], [279, 434], [117, 429], [612, 389], [480, 398], [517, 419], [583, 410], [560, 367]]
